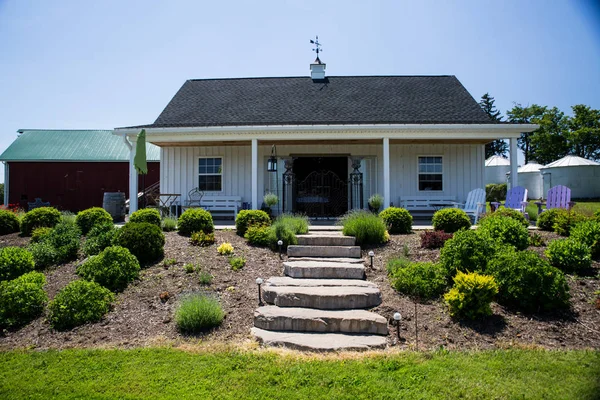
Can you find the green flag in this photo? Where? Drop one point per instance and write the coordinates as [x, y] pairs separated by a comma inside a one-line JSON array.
[[139, 161]]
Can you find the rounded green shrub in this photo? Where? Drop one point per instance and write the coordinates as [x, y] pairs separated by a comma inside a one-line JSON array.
[[86, 219], [38, 217], [365, 226], [145, 241], [40, 234], [506, 230], [527, 281], [195, 220], [545, 221], [508, 213], [149, 215], [198, 313], [569, 255], [467, 251], [78, 303], [597, 215], [22, 299], [471, 295], [113, 268], [9, 222], [14, 262], [450, 220], [567, 219], [98, 238], [423, 280], [261, 236], [398, 220], [247, 218], [588, 233], [66, 240], [44, 254]]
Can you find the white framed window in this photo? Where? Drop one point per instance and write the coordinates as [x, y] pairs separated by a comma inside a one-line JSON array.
[[430, 173], [210, 174]]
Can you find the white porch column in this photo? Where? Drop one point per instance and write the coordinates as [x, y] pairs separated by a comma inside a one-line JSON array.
[[133, 179], [513, 163], [386, 172], [255, 205], [6, 183]]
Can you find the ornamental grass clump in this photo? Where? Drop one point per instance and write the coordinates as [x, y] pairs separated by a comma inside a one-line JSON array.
[[397, 220], [375, 202], [198, 313], [423, 280], [149, 215], [588, 233], [471, 295], [450, 220], [113, 268], [22, 299], [145, 241], [365, 226], [195, 220], [569, 255], [38, 217], [86, 219], [297, 223], [505, 230], [247, 218], [9, 222], [14, 262], [169, 224]]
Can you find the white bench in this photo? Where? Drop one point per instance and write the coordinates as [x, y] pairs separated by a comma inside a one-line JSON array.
[[222, 204], [426, 203]]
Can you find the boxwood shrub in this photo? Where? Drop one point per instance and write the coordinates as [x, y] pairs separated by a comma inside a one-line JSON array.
[[506, 230], [508, 213], [567, 219], [113, 268], [44, 254], [545, 221], [40, 234], [247, 218], [9, 222], [260, 235], [569, 255], [38, 217], [195, 220], [86, 219], [145, 241], [149, 215], [22, 299], [14, 262], [588, 233], [365, 226], [450, 220], [65, 238], [467, 251], [528, 282], [78, 303], [423, 280], [397, 220], [98, 238], [471, 295]]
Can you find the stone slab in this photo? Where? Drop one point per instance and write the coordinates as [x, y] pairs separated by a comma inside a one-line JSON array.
[[326, 239], [274, 318], [329, 259], [323, 251], [319, 342], [323, 298], [323, 270], [288, 281]]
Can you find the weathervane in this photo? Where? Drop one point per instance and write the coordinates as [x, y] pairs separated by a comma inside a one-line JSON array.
[[317, 45]]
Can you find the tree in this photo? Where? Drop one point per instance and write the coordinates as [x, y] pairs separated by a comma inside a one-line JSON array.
[[584, 135], [498, 147], [549, 142], [526, 115]]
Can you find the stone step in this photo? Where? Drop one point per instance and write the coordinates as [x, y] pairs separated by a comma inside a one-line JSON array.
[[329, 259], [319, 341], [326, 239], [323, 298], [323, 251], [287, 281], [323, 270], [274, 318]]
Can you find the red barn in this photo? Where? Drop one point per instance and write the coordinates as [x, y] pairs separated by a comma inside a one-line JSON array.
[[71, 169]]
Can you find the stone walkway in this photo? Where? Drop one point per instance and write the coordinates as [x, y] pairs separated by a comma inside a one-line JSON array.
[[321, 303]]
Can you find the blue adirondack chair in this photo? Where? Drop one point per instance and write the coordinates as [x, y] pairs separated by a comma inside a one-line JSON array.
[[474, 205], [558, 197], [516, 198]]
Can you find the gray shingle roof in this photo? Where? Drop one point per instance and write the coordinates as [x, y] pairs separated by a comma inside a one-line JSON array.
[[337, 100]]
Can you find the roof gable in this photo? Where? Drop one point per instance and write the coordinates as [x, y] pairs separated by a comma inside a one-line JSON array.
[[336, 100]]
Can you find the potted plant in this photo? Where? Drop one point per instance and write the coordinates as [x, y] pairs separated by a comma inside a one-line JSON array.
[[270, 199], [375, 202]]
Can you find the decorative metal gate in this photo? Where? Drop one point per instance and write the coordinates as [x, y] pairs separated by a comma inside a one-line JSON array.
[[322, 194]]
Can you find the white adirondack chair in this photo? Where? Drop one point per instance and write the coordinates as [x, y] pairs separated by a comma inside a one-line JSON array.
[[474, 205]]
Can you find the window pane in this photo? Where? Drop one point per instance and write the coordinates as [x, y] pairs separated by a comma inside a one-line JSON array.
[[209, 183]]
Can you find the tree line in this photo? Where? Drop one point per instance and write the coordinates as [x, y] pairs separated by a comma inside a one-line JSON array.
[[558, 135]]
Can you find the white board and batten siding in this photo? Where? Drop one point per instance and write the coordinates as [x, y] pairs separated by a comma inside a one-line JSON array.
[[462, 167]]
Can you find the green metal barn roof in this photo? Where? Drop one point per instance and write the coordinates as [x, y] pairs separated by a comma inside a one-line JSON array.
[[71, 145]]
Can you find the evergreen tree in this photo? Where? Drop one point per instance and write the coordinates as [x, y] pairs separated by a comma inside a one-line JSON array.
[[498, 147]]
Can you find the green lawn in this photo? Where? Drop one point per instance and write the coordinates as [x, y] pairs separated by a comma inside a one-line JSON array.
[[174, 374]]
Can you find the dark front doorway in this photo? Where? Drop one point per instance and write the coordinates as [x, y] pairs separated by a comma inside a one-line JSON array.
[[321, 186]]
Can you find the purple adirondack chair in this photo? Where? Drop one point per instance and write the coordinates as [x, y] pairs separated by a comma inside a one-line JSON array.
[[558, 197], [516, 198]]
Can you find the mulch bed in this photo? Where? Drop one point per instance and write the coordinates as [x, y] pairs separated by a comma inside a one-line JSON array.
[[141, 318]]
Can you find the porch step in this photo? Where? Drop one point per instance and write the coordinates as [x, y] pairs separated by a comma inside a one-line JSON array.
[[323, 251], [326, 239], [288, 281], [323, 270], [329, 259], [310, 320], [323, 298], [319, 341]]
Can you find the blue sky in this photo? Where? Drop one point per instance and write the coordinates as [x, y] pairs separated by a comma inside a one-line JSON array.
[[105, 64]]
